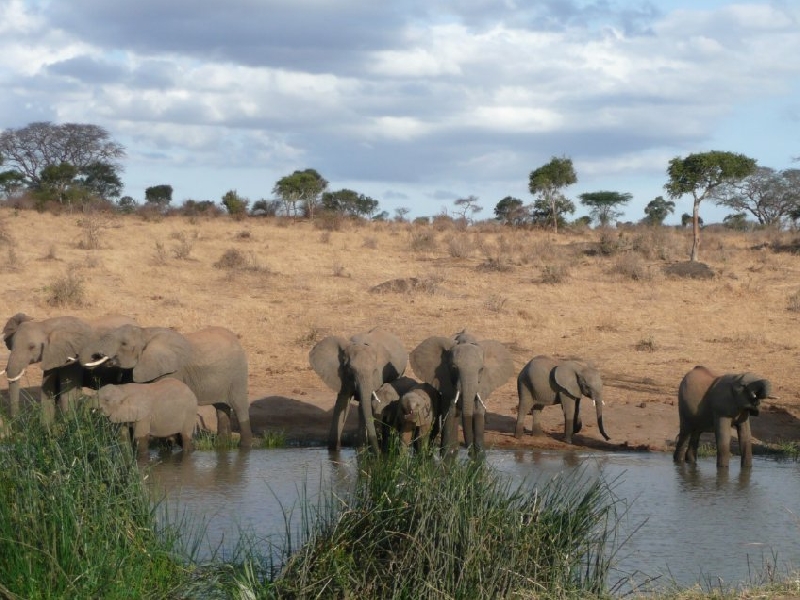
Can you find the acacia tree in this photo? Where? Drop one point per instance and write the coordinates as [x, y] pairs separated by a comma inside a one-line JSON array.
[[159, 195], [547, 181], [467, 206], [602, 205], [657, 210], [769, 195], [511, 211], [33, 148], [349, 202], [701, 175], [301, 186]]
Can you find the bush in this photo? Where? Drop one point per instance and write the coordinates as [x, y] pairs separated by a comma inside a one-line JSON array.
[[66, 291]]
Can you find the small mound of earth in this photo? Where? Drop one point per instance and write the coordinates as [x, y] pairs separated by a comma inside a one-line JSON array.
[[403, 286], [691, 270]]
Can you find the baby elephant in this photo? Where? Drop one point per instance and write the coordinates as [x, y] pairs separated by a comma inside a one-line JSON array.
[[410, 408], [710, 402], [162, 408]]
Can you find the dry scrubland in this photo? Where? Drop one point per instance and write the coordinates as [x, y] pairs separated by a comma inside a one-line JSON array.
[[284, 285]]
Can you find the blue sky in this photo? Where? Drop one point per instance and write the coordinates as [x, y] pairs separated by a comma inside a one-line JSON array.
[[416, 103]]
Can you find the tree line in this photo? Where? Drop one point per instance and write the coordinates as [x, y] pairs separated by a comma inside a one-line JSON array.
[[76, 164]]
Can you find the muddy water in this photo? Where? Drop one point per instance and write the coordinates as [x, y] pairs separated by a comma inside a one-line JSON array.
[[686, 524]]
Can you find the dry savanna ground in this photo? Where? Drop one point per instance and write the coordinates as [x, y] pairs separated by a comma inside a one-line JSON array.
[[283, 285]]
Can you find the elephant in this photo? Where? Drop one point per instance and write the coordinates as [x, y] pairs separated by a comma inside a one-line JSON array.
[[545, 381], [357, 368], [414, 411], [211, 362], [55, 343], [710, 402], [162, 408], [465, 371]]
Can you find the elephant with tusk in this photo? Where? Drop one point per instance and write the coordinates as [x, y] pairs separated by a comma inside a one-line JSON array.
[[54, 344]]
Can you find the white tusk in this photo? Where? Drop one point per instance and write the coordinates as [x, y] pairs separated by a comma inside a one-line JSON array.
[[3, 372], [17, 378], [773, 397], [455, 400], [481, 401], [374, 395], [71, 359], [97, 362]]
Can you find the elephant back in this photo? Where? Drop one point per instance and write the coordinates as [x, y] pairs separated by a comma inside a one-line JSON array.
[[397, 356]]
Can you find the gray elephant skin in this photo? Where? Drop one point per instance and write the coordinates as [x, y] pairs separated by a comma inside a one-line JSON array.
[[211, 362], [412, 409], [545, 381], [160, 409], [356, 368], [710, 402], [55, 343], [465, 371]]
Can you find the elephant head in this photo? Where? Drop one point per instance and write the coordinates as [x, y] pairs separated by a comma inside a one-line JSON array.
[[118, 407], [749, 390], [53, 342], [150, 352], [576, 379], [357, 367], [465, 371]]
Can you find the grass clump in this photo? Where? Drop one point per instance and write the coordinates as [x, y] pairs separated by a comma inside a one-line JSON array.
[[206, 440], [427, 529], [75, 517], [66, 291]]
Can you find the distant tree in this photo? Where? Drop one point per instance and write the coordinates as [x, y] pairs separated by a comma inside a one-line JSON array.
[[546, 182], [55, 181], [737, 222], [127, 205], [38, 146], [235, 204], [348, 202], [467, 207], [381, 216], [602, 205], [159, 195], [511, 211], [400, 213], [769, 195], [302, 187], [196, 208], [686, 219], [701, 175], [583, 221], [11, 183], [265, 208], [101, 179], [657, 210], [542, 211]]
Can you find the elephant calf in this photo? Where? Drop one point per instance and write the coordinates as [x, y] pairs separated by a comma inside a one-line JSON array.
[[415, 415], [709, 402], [162, 408]]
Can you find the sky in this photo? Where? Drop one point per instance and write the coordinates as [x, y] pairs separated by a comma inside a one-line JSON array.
[[416, 103]]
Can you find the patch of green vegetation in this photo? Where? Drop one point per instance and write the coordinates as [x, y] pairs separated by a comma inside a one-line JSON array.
[[206, 440]]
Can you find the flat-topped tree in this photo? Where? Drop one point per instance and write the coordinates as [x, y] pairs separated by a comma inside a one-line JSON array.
[[700, 175]]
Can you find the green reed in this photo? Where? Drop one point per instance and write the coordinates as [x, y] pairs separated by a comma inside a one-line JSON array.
[[416, 528]]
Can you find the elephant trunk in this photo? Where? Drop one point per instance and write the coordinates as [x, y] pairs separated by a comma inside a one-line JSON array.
[[366, 391], [472, 415], [13, 396], [598, 403]]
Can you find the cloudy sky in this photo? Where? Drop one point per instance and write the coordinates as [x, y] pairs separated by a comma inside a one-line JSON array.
[[416, 103]]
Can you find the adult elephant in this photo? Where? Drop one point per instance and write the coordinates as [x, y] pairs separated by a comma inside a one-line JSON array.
[[55, 343], [356, 368], [211, 362], [545, 381], [465, 371], [711, 402]]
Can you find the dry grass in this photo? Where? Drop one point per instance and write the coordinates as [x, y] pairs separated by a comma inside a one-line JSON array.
[[636, 327]]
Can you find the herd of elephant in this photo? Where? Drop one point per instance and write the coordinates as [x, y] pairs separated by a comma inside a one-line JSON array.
[[154, 378]]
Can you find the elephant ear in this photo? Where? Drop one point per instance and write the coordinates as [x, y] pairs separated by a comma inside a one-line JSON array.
[[431, 363], [11, 327], [498, 366], [64, 343], [327, 358], [394, 354], [164, 353], [129, 410], [566, 378]]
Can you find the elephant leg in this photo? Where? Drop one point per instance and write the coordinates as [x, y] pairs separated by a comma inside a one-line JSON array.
[[186, 439], [141, 437], [568, 405], [681, 447], [340, 410], [577, 424], [70, 382], [223, 421], [536, 413], [694, 445], [47, 396], [745, 443], [722, 432]]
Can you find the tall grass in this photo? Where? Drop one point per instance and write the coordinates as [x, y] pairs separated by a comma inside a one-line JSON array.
[[75, 517], [426, 529]]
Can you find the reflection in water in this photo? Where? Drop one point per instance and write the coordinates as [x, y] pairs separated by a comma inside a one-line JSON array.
[[688, 522]]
